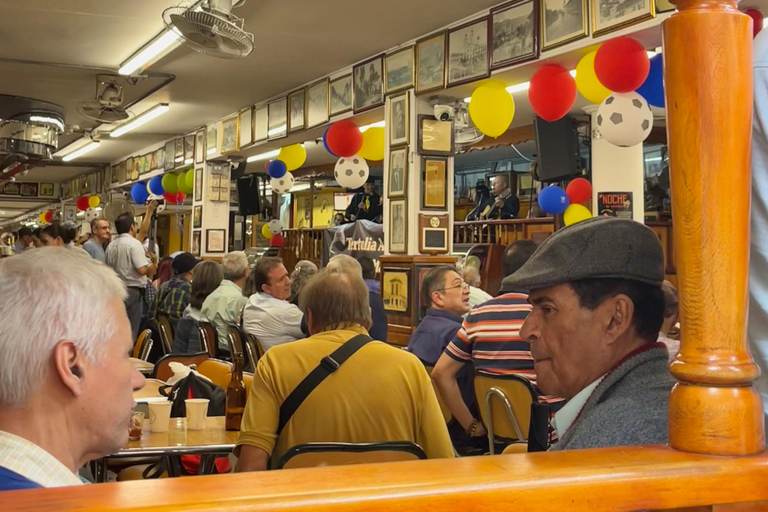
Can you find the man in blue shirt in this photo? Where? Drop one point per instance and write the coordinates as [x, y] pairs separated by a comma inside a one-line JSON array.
[[99, 236]]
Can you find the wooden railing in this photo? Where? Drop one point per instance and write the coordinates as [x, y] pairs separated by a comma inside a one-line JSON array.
[[306, 243], [502, 232]]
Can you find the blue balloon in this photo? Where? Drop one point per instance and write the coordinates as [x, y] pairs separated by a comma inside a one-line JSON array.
[[553, 200], [325, 142], [139, 193], [653, 87], [156, 186], [277, 169]]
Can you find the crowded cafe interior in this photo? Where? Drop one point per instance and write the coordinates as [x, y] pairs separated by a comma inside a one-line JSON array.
[[447, 254]]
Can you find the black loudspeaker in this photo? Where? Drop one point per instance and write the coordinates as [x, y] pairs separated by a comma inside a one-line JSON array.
[[557, 146], [249, 201]]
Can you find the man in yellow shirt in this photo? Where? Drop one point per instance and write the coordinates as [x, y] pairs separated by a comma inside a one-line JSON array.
[[362, 401]]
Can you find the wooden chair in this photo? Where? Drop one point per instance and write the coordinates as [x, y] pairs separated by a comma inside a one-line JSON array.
[[443, 406], [208, 337], [312, 455], [143, 345], [220, 373], [235, 342], [505, 406], [163, 371], [165, 330], [252, 349]]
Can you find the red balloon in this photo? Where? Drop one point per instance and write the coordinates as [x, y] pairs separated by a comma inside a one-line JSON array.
[[266, 164], [48, 217], [552, 92], [82, 203], [757, 20], [344, 138], [170, 198], [277, 241], [579, 191], [180, 197], [622, 64]]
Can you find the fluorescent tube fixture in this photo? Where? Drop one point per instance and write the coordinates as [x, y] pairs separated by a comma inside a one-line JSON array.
[[380, 124], [263, 156], [279, 129], [140, 120], [80, 152], [512, 89], [161, 45]]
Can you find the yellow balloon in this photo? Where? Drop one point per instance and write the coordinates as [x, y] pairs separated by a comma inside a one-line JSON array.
[[265, 232], [94, 201], [587, 82], [576, 213], [492, 108], [293, 156], [373, 144], [42, 217]]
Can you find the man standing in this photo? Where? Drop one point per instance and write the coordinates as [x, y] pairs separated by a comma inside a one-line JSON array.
[[173, 296], [224, 306], [127, 258], [268, 315], [66, 385], [365, 205], [505, 205], [23, 240], [99, 236]]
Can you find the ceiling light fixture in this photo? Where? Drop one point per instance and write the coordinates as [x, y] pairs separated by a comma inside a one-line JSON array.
[[512, 89], [140, 120], [279, 129], [166, 42], [263, 156], [83, 150], [379, 124], [48, 120]]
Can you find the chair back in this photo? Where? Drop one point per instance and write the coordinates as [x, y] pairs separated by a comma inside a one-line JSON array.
[[312, 455], [220, 372], [208, 337], [505, 405], [235, 342], [165, 330], [143, 345], [252, 351], [443, 406], [163, 370]]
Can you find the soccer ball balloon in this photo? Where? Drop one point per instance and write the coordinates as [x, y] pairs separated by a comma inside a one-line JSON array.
[[274, 227], [91, 214], [282, 185], [625, 119], [351, 172]]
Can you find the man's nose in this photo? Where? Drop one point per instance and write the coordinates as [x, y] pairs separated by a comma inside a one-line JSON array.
[[529, 331]]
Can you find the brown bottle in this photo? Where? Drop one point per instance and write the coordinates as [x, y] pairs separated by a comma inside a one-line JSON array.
[[235, 395]]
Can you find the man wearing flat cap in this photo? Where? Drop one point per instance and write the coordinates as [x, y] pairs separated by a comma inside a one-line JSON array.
[[598, 306], [174, 295]]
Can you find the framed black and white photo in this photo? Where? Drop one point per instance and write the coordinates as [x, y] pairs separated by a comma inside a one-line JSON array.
[[278, 119], [229, 135], [468, 52], [197, 217], [196, 243], [198, 184], [161, 157], [436, 138], [200, 147], [215, 240], [398, 226], [611, 15], [296, 106], [178, 154], [430, 63], [562, 22], [317, 104], [514, 33], [399, 117], [245, 123], [189, 149], [368, 84], [397, 183], [399, 70], [212, 142], [340, 95], [260, 124]]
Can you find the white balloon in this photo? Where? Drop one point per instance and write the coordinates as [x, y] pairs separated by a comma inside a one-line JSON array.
[[625, 119], [282, 185], [351, 172], [91, 214], [275, 227]]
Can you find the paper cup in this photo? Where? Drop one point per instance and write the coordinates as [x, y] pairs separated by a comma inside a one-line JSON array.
[[197, 410], [159, 416]]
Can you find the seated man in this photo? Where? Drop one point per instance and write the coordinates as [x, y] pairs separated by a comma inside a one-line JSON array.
[[362, 401], [224, 307], [173, 296], [593, 331], [366, 268], [477, 295], [66, 382], [268, 315]]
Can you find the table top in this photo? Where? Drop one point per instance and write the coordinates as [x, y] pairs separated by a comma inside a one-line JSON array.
[[180, 440], [150, 392], [142, 365]]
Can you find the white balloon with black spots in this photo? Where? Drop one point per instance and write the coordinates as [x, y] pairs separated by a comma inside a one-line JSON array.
[[275, 227], [625, 119], [351, 172], [91, 214], [282, 185]]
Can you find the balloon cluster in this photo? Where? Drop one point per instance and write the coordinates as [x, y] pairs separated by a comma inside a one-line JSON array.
[[174, 187], [554, 201], [46, 217], [273, 229], [343, 139], [84, 202], [289, 159]]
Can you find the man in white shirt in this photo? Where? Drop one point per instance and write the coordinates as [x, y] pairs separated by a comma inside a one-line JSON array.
[[268, 315], [66, 383], [476, 294], [127, 258]]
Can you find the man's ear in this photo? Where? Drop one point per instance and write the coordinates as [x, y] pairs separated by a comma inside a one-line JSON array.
[[621, 310], [68, 365]]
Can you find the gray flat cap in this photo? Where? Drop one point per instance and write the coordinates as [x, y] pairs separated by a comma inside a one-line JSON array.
[[601, 247]]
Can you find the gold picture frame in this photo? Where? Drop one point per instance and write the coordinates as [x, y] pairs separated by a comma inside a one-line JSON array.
[[395, 290], [245, 127], [430, 70], [617, 21], [436, 138], [434, 194], [318, 104], [230, 129], [551, 36]]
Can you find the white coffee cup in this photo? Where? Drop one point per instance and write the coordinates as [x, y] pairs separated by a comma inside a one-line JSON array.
[[197, 410], [159, 416]]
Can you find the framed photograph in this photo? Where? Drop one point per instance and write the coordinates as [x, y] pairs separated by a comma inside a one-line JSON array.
[[70, 213], [433, 233], [514, 33], [12, 189], [260, 123], [229, 131], [215, 240], [368, 84], [212, 139], [394, 290], [144, 162], [610, 15], [196, 243], [29, 189], [397, 183], [121, 172], [435, 179], [399, 70], [317, 104], [278, 119], [245, 123], [46, 189], [399, 117], [398, 226], [170, 148], [435, 137], [562, 22], [189, 149], [198, 184], [153, 161], [197, 217], [296, 105], [340, 95], [113, 174], [468, 52], [200, 147], [430, 63], [178, 151], [161, 158]]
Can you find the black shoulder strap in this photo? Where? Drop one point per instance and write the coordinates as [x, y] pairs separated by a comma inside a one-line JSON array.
[[327, 366]]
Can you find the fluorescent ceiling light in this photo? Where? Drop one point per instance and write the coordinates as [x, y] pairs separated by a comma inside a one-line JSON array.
[[139, 120], [512, 89], [167, 41], [189, 161], [49, 120], [279, 129], [380, 124], [83, 150], [263, 156]]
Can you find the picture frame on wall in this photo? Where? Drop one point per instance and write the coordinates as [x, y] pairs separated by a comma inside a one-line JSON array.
[[245, 127], [433, 233], [430, 63], [29, 189], [260, 123], [229, 135], [178, 151], [153, 161], [198, 184], [399, 117], [468, 52], [398, 226], [144, 162], [215, 240], [46, 189], [340, 95], [170, 148], [368, 84], [297, 109], [434, 194], [212, 139], [278, 119], [318, 108], [189, 149], [161, 158], [200, 147], [514, 33], [114, 174], [197, 217], [397, 182], [196, 243], [395, 290], [399, 69], [436, 138], [562, 22], [611, 15]]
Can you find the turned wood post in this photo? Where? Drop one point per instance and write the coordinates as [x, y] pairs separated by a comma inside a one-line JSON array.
[[714, 408]]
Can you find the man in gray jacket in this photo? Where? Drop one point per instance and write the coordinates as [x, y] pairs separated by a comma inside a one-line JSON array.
[[598, 306]]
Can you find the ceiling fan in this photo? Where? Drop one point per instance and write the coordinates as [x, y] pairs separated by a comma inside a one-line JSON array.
[[209, 27]]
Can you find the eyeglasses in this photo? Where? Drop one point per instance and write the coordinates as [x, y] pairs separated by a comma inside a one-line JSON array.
[[465, 286]]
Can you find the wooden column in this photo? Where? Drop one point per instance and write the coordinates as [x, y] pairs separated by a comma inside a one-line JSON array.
[[311, 202], [714, 408]]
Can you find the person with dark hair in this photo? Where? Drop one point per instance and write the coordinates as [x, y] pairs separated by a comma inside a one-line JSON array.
[[36, 237], [56, 235], [670, 319], [378, 330], [268, 315], [174, 295], [206, 277], [23, 240], [100, 235], [365, 205], [515, 255]]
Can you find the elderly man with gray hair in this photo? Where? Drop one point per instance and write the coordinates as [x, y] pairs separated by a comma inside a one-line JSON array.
[[346, 263], [66, 382], [302, 273], [224, 307], [477, 295]]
